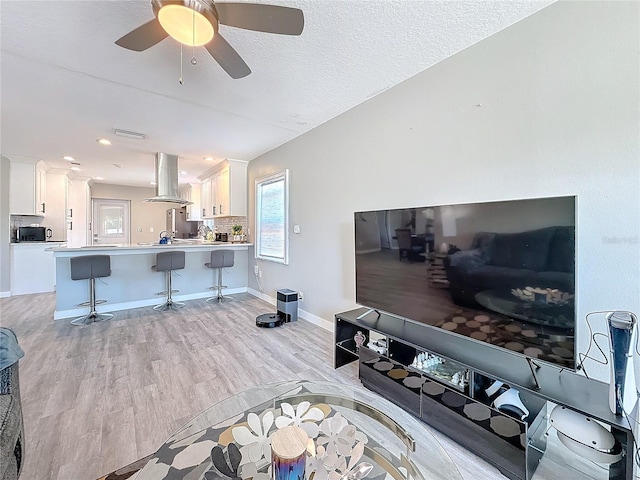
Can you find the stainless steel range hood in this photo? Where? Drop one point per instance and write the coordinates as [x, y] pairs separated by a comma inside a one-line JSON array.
[[167, 180]]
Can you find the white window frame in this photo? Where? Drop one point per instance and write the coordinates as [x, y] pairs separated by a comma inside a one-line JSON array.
[[260, 182]]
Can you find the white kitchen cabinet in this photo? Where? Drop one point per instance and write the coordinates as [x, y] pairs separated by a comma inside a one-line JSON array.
[[57, 204], [78, 213], [222, 193], [206, 198], [33, 268], [41, 188], [27, 188], [224, 190], [191, 193]]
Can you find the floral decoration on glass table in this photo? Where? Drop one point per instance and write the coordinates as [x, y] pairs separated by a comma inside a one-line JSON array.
[[334, 452]]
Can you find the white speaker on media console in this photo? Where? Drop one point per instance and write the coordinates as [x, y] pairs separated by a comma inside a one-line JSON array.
[[584, 435]]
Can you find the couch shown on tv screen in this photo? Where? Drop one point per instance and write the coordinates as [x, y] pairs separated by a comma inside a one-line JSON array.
[[542, 258]]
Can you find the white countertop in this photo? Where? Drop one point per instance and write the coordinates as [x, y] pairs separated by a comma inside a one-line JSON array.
[[188, 245], [42, 244]]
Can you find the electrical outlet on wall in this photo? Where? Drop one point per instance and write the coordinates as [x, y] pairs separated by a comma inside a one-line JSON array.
[[260, 273], [255, 269]]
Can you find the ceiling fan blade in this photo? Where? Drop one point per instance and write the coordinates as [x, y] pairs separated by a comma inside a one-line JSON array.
[[143, 37], [227, 57], [261, 18]]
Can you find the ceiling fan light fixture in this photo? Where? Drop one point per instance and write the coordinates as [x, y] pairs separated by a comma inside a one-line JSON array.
[[186, 25]]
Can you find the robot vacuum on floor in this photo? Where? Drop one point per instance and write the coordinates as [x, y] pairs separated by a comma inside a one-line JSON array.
[[269, 320]]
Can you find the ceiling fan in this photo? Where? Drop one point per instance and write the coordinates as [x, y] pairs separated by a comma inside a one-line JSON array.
[[196, 22]]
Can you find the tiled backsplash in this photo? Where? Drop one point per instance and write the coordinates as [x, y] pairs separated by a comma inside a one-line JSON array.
[[224, 224]]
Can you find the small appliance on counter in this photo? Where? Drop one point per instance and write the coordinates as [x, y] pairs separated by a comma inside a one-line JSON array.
[[33, 234], [222, 237]]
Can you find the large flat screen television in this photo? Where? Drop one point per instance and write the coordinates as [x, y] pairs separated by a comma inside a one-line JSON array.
[[499, 272]]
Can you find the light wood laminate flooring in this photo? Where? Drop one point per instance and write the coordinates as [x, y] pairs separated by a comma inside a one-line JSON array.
[[98, 397]]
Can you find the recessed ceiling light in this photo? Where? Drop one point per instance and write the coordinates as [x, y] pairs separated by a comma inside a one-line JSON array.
[[209, 159], [75, 169], [69, 158], [183, 172], [98, 178], [104, 141], [118, 165], [152, 183]]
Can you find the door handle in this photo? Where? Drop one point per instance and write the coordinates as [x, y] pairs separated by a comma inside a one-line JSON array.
[[220, 210], [214, 209], [203, 212], [42, 207]]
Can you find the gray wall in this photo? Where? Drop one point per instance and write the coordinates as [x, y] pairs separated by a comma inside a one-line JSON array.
[[5, 279], [558, 116]]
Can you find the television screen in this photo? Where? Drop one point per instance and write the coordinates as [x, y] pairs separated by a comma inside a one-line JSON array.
[[500, 272]]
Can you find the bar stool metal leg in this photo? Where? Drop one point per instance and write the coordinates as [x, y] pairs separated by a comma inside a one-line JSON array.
[[219, 298], [93, 315], [169, 304]]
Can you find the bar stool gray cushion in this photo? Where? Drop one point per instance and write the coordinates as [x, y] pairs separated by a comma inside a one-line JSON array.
[[221, 259], [91, 266], [169, 261]]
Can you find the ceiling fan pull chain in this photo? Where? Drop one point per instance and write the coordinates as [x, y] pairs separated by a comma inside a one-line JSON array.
[[180, 80], [193, 43]]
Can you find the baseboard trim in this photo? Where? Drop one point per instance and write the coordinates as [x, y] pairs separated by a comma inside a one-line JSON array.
[[262, 296], [5, 294], [149, 302], [309, 317]]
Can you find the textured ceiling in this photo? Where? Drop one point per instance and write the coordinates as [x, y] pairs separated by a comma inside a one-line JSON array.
[[64, 83]]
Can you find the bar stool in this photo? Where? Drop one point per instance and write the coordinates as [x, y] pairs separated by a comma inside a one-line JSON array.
[[89, 268], [168, 262], [220, 259]]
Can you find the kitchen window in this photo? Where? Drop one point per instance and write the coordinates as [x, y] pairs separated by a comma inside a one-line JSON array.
[[272, 217]]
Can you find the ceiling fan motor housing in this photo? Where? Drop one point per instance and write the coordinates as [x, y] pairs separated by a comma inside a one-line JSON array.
[[203, 7]]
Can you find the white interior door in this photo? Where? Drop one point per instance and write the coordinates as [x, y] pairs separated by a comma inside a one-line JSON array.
[[111, 222]]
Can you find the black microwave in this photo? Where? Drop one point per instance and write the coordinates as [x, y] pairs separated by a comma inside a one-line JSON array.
[[33, 234]]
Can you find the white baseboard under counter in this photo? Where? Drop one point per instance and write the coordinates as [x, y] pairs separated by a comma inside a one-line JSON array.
[[133, 284], [33, 268]]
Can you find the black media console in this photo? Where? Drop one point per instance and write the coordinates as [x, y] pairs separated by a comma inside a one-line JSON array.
[[442, 378]]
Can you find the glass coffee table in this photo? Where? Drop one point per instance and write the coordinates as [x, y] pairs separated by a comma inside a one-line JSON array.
[[355, 434]]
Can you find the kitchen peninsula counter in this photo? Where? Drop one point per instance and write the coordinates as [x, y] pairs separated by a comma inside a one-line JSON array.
[[133, 284]]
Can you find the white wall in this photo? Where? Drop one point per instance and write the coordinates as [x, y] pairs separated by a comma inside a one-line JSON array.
[[5, 279], [144, 215], [558, 116]]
